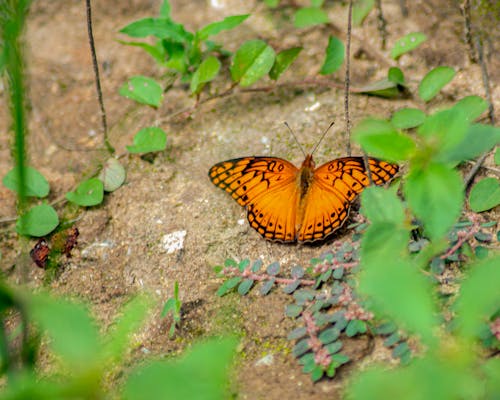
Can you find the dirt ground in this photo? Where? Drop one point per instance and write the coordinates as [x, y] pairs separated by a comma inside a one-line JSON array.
[[120, 250]]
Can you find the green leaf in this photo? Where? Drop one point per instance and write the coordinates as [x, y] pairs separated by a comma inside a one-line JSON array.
[[444, 130], [252, 61], [472, 107], [434, 81], [329, 335], [435, 195], [209, 362], [74, 335], [334, 56], [497, 156], [217, 27], [207, 71], [39, 221], [396, 75], [309, 16], [228, 285], [157, 51], [383, 88], [478, 139], [485, 195], [131, 317], [407, 118], [283, 60], [36, 184], [161, 28], [245, 286], [407, 43], [112, 174], [88, 193], [170, 306], [142, 89], [360, 10], [165, 9], [380, 139], [272, 3], [406, 297], [382, 206], [479, 296], [148, 140]]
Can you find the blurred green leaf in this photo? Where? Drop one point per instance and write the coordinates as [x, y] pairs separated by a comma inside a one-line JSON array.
[[157, 51], [245, 286], [334, 56], [252, 61], [112, 174], [407, 118], [394, 74], [444, 130], [497, 156], [216, 27], [380, 139], [36, 184], [143, 90], [131, 317], [283, 60], [88, 193], [201, 374], [272, 3], [485, 195], [74, 335], [380, 206], [398, 289], [360, 10], [434, 81], [207, 71], [165, 9], [38, 221], [472, 107], [436, 196], [309, 16], [479, 295], [407, 43], [478, 139], [162, 28], [383, 88], [148, 140]]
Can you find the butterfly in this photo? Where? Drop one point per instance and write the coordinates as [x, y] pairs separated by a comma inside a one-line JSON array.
[[289, 204]]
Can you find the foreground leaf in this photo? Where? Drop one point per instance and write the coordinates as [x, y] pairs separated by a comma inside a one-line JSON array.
[[174, 379]]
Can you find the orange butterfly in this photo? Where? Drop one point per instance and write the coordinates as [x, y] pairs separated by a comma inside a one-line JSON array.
[[288, 204]]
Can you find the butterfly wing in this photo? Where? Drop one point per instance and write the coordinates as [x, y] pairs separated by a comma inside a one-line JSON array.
[[266, 186], [334, 187]]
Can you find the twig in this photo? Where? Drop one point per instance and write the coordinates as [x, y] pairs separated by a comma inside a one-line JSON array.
[[381, 23], [95, 65], [465, 8], [462, 237], [403, 7], [491, 112], [347, 79]]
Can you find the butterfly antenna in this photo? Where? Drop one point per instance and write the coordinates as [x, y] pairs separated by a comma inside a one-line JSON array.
[[295, 137], [322, 136]]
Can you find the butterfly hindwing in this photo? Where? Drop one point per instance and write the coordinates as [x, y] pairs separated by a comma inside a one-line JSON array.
[[266, 186]]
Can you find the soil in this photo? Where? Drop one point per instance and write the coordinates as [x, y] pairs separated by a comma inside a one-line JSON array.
[[120, 250]]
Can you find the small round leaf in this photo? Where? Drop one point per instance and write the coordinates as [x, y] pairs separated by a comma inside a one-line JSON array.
[[112, 175], [434, 81], [485, 195], [88, 193], [148, 140], [39, 221]]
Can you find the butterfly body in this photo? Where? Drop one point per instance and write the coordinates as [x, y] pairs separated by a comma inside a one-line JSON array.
[[289, 204]]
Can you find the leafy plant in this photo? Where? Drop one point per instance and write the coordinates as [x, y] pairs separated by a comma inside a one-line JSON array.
[[173, 306]]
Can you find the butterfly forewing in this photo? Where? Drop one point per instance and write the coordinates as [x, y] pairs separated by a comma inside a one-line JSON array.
[[335, 186], [266, 186]]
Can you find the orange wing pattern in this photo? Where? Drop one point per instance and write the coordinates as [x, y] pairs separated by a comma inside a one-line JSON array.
[[266, 187], [287, 204], [334, 188]]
